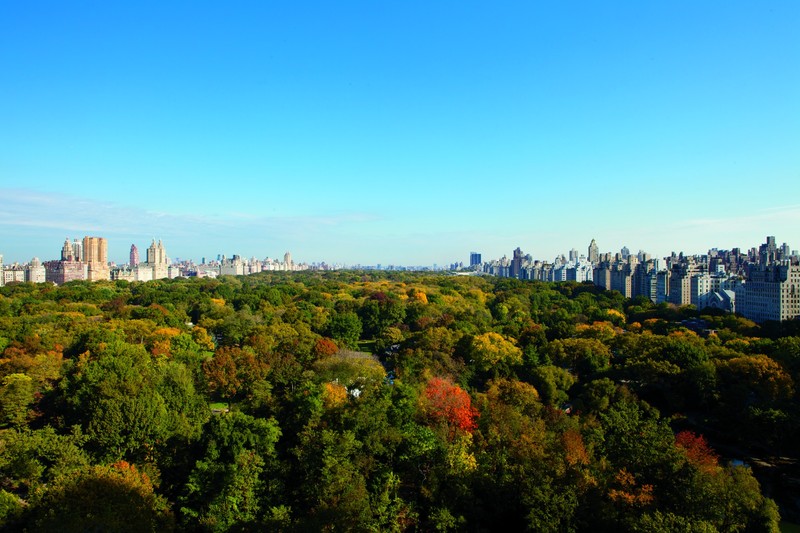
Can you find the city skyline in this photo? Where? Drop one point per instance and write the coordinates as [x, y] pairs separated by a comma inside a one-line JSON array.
[[567, 254], [759, 283], [403, 134]]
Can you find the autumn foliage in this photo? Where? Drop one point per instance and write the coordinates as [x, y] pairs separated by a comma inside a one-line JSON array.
[[697, 450], [333, 395], [104, 498], [325, 347], [447, 402], [111, 415], [629, 492]]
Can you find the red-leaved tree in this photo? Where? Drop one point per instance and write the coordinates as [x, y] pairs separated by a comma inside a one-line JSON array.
[[325, 347], [697, 450], [447, 402]]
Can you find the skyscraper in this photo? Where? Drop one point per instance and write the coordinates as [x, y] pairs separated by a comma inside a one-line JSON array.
[[768, 252], [157, 260], [474, 259], [95, 250], [156, 253], [95, 256], [516, 263], [134, 256], [70, 267], [77, 250], [67, 252], [771, 292], [594, 253]]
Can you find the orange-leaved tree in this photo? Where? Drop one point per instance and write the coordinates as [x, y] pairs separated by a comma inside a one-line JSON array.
[[446, 402], [697, 450]]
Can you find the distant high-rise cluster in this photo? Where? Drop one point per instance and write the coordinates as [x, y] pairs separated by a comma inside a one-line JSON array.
[[762, 284], [772, 290], [155, 267], [71, 267], [87, 259]]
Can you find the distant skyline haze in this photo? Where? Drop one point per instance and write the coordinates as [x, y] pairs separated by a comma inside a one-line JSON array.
[[398, 133]]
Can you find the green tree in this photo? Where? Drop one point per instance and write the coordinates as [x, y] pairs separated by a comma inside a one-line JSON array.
[[584, 356], [379, 312], [16, 395], [234, 482], [33, 459], [10, 508], [553, 384], [333, 489], [345, 328], [100, 498], [116, 400]]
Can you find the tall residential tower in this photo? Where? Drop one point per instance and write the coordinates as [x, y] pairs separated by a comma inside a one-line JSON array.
[[95, 256], [594, 253], [134, 259]]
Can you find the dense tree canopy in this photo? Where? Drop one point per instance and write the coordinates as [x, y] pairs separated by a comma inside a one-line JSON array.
[[385, 402]]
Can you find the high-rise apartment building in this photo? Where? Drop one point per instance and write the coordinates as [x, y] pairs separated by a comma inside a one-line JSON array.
[[95, 250], [232, 267], [573, 256], [579, 271], [614, 275], [156, 253], [622, 279], [95, 256], [516, 264], [701, 290], [594, 253], [768, 252], [77, 250], [662, 286], [68, 251], [680, 284], [644, 280], [134, 256], [71, 266], [772, 288], [157, 260], [602, 275], [771, 292]]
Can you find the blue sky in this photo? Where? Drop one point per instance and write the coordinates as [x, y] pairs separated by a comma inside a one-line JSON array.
[[398, 132]]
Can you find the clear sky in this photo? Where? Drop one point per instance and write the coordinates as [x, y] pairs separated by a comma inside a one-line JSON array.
[[398, 132]]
